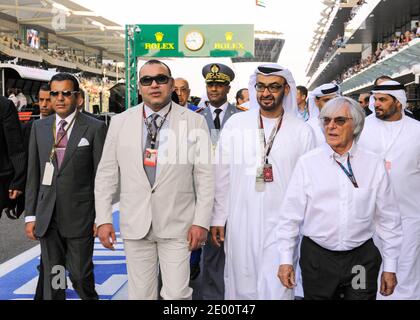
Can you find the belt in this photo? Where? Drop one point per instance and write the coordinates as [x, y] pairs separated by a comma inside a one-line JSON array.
[[335, 252]]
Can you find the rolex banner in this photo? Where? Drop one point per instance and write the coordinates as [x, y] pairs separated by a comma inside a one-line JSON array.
[[230, 40]]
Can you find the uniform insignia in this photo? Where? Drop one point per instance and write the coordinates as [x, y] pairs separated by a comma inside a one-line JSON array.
[[215, 68]]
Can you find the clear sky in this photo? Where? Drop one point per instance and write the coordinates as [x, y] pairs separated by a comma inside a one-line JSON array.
[[296, 19]]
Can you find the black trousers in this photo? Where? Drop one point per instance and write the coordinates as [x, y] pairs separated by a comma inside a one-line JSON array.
[[334, 275], [75, 255], [39, 292]]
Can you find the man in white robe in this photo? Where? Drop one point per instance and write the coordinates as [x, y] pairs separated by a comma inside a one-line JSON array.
[[251, 208], [396, 137], [316, 101]]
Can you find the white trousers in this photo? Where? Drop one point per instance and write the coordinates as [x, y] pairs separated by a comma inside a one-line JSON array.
[[144, 257]]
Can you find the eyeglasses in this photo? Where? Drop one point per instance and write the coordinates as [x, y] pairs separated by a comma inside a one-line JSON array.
[[272, 88], [340, 121], [66, 93], [148, 80]]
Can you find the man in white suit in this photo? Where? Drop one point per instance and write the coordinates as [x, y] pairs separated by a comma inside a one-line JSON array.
[[159, 153]]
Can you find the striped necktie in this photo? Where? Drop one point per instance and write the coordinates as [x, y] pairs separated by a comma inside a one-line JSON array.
[[62, 145]]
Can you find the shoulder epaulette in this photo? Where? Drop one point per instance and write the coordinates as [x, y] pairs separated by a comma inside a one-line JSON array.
[[242, 108]]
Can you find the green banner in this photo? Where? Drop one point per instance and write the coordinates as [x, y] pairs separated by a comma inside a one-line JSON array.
[[229, 40]]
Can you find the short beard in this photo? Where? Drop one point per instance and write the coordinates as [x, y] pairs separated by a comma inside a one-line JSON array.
[[386, 115], [277, 103]]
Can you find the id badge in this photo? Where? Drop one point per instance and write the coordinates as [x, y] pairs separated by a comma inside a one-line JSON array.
[[48, 174], [150, 157], [259, 181], [268, 173]]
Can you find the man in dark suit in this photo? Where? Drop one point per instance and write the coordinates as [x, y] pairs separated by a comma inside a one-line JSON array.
[[218, 110], [64, 151], [12, 155]]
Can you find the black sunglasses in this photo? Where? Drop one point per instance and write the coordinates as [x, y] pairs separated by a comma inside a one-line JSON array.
[[65, 93], [272, 88], [148, 80], [340, 121]]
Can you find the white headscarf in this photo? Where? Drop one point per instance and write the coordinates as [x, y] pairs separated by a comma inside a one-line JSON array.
[[387, 88], [322, 91], [289, 101]]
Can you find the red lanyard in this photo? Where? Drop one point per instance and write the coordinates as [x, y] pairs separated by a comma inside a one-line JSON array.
[[272, 137]]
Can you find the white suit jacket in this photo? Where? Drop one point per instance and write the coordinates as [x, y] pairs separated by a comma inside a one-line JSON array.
[[183, 192]]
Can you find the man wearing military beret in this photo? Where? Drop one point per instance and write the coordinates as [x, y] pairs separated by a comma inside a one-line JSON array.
[[217, 111]]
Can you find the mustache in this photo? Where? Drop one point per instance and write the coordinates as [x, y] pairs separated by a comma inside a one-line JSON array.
[[271, 97]]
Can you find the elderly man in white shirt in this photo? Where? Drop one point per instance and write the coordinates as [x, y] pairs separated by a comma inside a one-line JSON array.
[[338, 197]]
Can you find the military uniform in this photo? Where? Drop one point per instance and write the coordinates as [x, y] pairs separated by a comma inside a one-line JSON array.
[[213, 257]]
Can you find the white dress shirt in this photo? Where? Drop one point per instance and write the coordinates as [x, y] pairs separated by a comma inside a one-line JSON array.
[[69, 119], [324, 204], [222, 114]]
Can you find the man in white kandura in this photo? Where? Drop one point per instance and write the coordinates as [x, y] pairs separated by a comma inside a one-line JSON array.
[[338, 197], [396, 138], [256, 154], [316, 101]]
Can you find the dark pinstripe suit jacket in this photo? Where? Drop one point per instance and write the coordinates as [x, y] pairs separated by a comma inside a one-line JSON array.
[[71, 194]]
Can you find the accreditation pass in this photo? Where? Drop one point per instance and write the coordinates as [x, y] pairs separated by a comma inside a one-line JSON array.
[[48, 174]]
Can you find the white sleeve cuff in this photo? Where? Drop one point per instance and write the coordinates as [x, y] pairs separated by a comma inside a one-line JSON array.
[[286, 258], [390, 265], [218, 223], [30, 219]]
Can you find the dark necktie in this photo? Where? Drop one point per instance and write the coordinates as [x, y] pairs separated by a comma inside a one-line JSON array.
[[151, 171], [217, 119], [62, 145]]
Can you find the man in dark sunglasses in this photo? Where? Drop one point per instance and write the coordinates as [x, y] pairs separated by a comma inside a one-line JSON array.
[[64, 152], [339, 197], [156, 152]]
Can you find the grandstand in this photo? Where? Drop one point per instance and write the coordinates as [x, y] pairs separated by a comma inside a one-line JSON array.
[[374, 38], [268, 46], [61, 36]]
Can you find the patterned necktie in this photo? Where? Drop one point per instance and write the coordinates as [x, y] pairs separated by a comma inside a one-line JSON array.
[[217, 119], [151, 171], [61, 147]]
